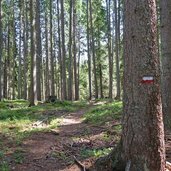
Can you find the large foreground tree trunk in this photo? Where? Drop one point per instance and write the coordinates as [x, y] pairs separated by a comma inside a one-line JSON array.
[[166, 60], [142, 144], [143, 135]]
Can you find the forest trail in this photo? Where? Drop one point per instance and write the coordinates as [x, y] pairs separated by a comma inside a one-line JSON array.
[[55, 150]]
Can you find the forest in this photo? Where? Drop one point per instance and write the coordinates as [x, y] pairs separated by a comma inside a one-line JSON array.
[[84, 85]]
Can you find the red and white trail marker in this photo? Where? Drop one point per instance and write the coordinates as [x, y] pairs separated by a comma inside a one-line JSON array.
[[147, 80]]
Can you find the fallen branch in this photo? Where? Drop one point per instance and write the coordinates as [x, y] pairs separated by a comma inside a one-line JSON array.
[[80, 165], [38, 165], [41, 122]]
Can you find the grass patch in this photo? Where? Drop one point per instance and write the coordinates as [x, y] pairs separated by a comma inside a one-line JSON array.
[[70, 106], [17, 123], [86, 153], [4, 166], [16, 118], [104, 113], [18, 156]]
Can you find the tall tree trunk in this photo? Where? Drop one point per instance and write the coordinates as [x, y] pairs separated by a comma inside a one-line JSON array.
[[70, 52], [165, 6], [79, 59], [75, 51], [38, 50], [33, 86], [143, 135], [1, 45], [14, 56], [101, 81], [59, 50], [8, 60], [26, 37], [109, 51], [88, 53], [52, 82], [93, 51], [100, 65], [5, 72], [47, 91], [63, 52], [117, 37], [20, 52], [78, 71]]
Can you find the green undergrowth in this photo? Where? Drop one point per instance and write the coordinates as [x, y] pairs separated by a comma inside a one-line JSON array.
[[4, 166], [17, 123], [104, 113], [17, 119], [86, 153]]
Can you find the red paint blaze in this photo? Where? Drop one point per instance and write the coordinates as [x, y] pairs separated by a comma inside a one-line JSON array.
[[147, 81]]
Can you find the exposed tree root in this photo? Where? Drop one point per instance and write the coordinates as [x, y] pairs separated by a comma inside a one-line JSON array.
[[80, 165], [112, 162]]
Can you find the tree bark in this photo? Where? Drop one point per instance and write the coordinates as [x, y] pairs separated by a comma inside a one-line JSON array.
[[1, 44], [52, 82], [93, 50], [142, 145], [117, 41], [20, 52], [38, 50], [109, 51], [76, 88], [59, 50], [70, 82], [100, 65], [5, 72], [166, 60], [25, 44], [47, 90], [14, 56], [143, 135], [88, 53], [63, 52], [33, 86]]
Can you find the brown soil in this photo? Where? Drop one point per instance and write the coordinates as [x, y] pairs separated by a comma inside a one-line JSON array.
[[55, 150]]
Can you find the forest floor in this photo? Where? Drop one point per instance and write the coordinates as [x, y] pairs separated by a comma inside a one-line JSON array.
[[51, 137]]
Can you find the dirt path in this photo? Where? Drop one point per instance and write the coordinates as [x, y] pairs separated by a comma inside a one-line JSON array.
[[55, 150]]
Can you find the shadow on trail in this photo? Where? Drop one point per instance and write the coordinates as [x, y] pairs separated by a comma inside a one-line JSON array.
[[55, 152]]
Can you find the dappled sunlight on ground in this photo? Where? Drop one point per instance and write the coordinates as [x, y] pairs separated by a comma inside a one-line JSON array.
[[49, 140], [52, 138]]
